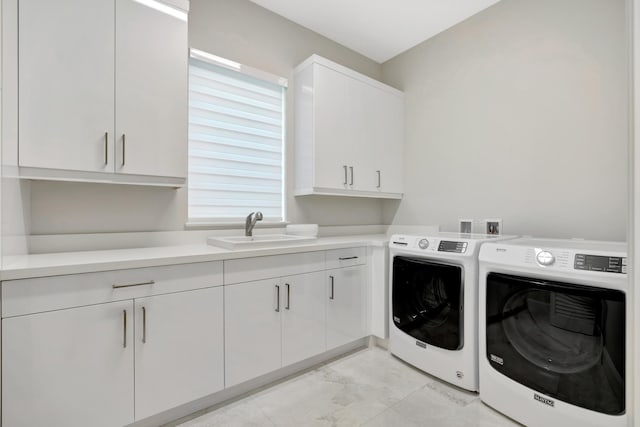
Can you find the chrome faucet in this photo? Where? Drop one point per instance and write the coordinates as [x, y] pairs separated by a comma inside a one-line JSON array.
[[250, 222]]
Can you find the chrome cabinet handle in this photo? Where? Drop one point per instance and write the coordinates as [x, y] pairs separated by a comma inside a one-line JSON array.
[[345, 174], [351, 168], [347, 257], [150, 282], [124, 328], [277, 298], [332, 280], [124, 148], [144, 325], [106, 148], [379, 180], [288, 306]]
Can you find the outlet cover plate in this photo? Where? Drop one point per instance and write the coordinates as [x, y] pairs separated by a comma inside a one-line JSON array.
[[493, 226]]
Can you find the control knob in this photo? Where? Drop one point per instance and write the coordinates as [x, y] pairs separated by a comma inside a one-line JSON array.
[[545, 258], [423, 243]]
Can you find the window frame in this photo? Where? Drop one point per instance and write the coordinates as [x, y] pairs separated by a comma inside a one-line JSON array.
[[232, 221]]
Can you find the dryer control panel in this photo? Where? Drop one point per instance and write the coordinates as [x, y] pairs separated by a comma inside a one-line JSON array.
[[608, 264]]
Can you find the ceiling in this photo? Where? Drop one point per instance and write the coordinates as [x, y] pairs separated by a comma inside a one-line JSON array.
[[378, 29]]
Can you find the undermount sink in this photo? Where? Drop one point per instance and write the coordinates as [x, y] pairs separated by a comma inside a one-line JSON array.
[[264, 240]]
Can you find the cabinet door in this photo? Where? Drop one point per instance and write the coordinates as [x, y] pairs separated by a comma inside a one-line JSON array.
[[66, 117], [360, 178], [346, 309], [151, 91], [303, 323], [69, 367], [179, 349], [337, 128], [252, 330], [386, 136]]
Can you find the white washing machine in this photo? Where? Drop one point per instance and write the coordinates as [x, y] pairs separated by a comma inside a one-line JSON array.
[[433, 303], [552, 333]]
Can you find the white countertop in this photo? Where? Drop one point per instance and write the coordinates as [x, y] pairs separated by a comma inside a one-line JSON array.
[[55, 264]]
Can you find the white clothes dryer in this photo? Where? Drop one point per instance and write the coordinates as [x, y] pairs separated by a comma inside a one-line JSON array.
[[553, 336], [433, 303]]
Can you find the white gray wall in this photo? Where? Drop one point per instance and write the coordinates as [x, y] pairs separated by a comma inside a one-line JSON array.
[[246, 33], [519, 113]]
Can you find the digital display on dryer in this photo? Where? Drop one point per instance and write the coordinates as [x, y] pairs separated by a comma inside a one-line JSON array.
[[607, 264], [450, 246]]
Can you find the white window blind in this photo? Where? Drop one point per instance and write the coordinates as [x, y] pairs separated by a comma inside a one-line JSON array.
[[236, 134]]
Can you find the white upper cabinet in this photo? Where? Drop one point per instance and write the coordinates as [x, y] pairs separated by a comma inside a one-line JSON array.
[[349, 132], [106, 100], [385, 136], [336, 152], [66, 84], [151, 91]]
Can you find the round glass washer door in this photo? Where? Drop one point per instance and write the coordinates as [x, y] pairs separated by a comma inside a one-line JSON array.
[[528, 323]]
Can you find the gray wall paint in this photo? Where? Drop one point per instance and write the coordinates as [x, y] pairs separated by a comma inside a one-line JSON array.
[[519, 113], [244, 32]]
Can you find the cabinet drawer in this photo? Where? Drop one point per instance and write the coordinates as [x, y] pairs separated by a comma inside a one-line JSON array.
[[267, 267], [27, 296], [337, 258]]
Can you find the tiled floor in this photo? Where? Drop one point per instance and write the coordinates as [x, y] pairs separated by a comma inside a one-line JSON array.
[[367, 388]]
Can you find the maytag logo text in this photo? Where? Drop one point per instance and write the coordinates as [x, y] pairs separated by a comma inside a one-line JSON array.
[[543, 400]]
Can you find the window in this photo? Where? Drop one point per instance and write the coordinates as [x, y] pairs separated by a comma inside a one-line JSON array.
[[236, 139]]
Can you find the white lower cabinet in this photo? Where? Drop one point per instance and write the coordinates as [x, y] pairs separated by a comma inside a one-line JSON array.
[[346, 312], [110, 348], [303, 317], [272, 323], [69, 367], [252, 330], [178, 349], [75, 367], [279, 321]]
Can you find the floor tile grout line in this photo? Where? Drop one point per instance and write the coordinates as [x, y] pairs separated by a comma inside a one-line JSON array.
[[376, 415]]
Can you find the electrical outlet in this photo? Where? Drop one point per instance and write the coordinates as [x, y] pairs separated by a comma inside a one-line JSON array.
[[493, 226], [466, 226]]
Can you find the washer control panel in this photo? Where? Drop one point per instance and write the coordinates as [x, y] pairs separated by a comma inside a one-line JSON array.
[[452, 246], [607, 264]]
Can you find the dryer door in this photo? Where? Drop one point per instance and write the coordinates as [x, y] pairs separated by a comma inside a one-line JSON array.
[[561, 339], [427, 301]]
